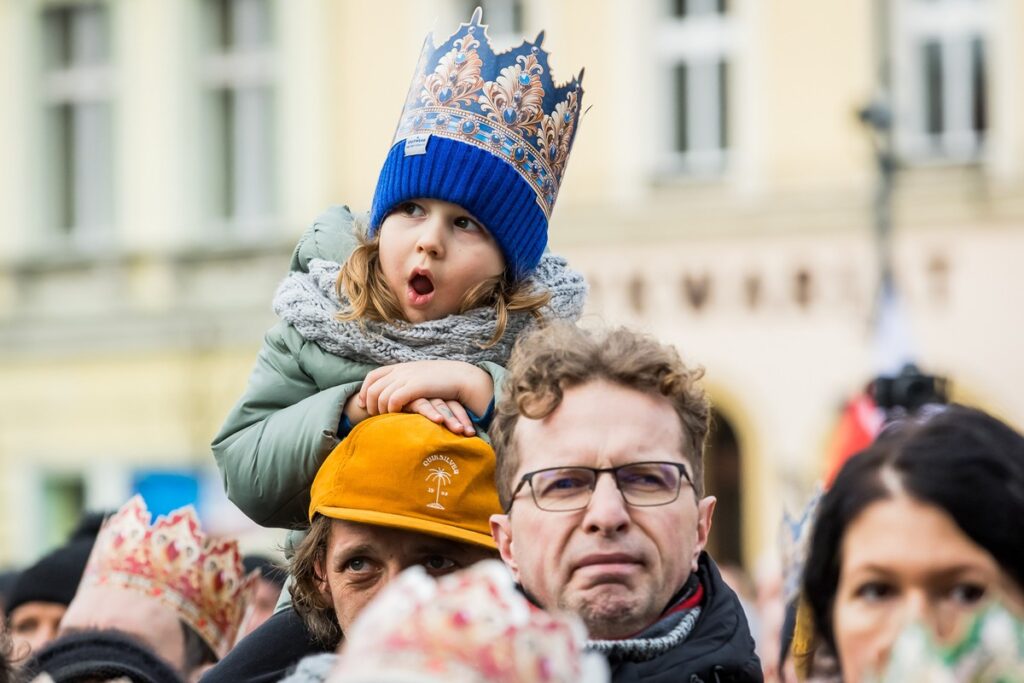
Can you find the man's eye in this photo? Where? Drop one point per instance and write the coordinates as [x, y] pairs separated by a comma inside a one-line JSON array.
[[411, 209], [874, 591], [565, 484], [439, 563], [967, 593], [356, 564]]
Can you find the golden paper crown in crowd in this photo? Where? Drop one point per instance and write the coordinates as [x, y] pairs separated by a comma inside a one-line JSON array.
[[201, 578]]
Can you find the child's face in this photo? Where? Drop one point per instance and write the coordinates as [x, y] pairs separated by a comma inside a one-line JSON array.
[[432, 252]]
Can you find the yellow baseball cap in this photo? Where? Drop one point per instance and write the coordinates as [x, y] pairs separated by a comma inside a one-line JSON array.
[[402, 470]]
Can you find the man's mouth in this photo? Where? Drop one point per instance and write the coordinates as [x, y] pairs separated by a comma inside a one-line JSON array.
[[608, 563]]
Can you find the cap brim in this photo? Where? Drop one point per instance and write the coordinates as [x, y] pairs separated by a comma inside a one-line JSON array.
[[392, 520]]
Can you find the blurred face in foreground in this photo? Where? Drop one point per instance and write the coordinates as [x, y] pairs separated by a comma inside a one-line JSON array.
[[905, 561], [614, 564], [361, 559], [132, 612]]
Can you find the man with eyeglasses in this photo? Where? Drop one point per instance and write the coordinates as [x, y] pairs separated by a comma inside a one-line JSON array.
[[600, 439]]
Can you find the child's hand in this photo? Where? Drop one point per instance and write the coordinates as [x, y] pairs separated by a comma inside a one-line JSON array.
[[449, 413], [393, 388], [354, 411]]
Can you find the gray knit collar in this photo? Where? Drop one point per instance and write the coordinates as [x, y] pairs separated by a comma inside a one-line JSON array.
[[310, 303], [663, 636]]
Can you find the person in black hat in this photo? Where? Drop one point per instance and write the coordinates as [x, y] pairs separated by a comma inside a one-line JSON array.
[[268, 590], [42, 592], [101, 655]]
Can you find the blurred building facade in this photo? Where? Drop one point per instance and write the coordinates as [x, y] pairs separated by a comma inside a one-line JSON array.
[[162, 157]]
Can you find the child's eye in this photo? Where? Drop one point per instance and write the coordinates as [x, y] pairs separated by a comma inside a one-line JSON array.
[[468, 224], [411, 209]]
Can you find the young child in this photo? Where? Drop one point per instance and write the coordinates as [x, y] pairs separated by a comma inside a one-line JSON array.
[[448, 269]]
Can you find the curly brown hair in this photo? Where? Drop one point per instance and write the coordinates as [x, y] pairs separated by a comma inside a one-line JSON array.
[[548, 361], [362, 280], [309, 596]]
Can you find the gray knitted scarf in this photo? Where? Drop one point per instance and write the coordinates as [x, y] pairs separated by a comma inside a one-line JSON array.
[[309, 302], [647, 647]]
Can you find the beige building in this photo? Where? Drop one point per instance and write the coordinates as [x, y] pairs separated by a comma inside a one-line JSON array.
[[161, 158]]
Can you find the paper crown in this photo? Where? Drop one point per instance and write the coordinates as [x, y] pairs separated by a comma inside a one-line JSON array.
[[506, 103], [201, 578], [472, 625], [488, 131]]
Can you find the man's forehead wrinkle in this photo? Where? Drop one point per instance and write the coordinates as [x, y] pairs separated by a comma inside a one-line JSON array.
[[575, 430]]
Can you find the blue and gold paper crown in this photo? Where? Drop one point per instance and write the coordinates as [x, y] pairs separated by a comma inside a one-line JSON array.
[[488, 131]]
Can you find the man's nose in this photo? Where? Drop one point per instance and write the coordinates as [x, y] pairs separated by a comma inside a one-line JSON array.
[[607, 512]]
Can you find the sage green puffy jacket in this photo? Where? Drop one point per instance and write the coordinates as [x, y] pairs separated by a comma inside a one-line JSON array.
[[274, 440]]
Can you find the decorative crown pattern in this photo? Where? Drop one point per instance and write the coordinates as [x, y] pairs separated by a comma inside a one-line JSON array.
[[201, 578], [470, 625], [506, 103]]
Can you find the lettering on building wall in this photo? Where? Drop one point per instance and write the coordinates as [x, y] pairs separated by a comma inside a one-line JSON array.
[[803, 287], [696, 290]]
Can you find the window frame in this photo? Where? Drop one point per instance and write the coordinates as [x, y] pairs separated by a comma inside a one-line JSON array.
[[955, 26], [706, 41], [225, 71], [70, 89]]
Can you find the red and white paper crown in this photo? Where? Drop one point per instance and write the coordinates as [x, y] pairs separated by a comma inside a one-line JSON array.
[[199, 577], [469, 627]]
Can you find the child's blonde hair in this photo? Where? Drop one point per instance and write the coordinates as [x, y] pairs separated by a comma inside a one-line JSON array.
[[362, 281]]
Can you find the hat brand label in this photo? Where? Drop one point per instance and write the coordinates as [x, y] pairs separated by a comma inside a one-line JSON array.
[[416, 144], [442, 469]]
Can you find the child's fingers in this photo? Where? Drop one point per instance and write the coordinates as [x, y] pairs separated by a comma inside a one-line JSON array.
[[458, 415], [384, 402], [401, 395], [372, 385], [426, 409]]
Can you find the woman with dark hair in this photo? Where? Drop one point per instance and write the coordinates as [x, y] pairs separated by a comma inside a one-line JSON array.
[[924, 525]]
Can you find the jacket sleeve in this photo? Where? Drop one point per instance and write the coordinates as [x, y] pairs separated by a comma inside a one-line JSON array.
[[284, 426], [497, 374], [332, 237], [278, 434]]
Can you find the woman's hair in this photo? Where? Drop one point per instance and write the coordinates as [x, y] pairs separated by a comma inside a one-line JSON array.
[[362, 281], [963, 461], [6, 656], [307, 568]]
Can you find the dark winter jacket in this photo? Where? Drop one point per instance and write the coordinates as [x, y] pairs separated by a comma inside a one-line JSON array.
[[718, 648]]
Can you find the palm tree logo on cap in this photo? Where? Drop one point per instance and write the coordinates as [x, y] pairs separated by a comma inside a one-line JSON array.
[[439, 477]]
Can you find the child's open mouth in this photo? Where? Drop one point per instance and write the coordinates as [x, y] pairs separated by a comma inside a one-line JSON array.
[[421, 289], [421, 284]]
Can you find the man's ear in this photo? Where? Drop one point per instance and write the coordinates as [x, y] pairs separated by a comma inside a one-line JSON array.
[[501, 531], [705, 511]]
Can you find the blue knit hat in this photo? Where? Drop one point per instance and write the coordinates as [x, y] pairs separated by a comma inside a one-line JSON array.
[[489, 132]]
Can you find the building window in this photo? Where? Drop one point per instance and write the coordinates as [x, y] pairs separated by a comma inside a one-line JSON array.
[[77, 89], [695, 48], [62, 504], [940, 78], [238, 75]]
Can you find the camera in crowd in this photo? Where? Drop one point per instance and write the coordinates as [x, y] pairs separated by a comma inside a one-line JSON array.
[[910, 390]]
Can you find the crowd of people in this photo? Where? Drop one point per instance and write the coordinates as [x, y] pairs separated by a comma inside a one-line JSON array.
[[477, 488]]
